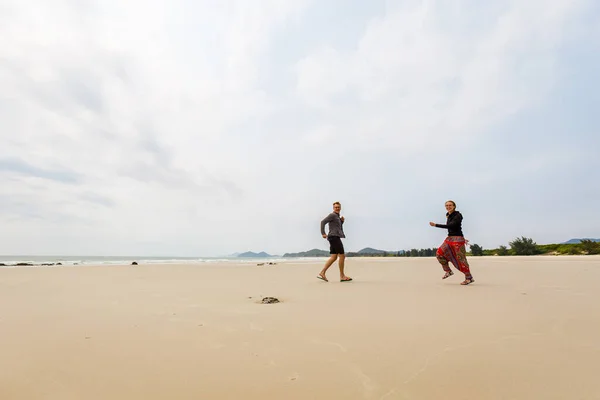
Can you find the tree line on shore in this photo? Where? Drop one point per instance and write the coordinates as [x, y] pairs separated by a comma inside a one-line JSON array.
[[522, 246]]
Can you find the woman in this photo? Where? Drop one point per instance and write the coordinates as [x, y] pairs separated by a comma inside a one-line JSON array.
[[453, 248]]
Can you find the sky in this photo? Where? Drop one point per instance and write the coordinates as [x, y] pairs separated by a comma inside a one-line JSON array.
[[204, 128]]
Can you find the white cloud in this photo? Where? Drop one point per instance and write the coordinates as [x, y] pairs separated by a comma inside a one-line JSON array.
[[155, 127], [413, 81]]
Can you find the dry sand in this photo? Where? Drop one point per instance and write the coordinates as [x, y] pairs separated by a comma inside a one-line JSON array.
[[527, 329]]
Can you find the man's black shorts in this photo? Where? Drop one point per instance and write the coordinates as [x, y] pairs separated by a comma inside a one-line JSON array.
[[335, 245]]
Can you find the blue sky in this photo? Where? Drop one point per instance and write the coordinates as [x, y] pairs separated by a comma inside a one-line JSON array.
[[191, 128]]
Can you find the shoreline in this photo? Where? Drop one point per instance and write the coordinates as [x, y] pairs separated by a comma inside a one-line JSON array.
[[267, 262]]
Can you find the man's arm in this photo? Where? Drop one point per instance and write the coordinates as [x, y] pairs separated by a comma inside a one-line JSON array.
[[327, 219]]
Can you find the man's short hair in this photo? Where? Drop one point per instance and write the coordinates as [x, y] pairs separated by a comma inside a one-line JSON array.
[[338, 203]]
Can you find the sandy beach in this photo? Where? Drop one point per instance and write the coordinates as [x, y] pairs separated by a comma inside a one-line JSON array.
[[527, 329]]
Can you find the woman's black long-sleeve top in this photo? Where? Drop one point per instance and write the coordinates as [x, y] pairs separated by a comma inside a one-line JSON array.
[[453, 224]]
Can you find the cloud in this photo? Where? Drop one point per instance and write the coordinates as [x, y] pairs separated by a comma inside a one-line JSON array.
[[197, 128], [417, 75], [21, 167]]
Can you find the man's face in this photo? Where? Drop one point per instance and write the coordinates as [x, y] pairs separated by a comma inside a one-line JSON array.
[[337, 208]]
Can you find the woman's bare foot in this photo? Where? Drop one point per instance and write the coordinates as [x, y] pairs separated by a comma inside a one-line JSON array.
[[345, 279], [467, 281]]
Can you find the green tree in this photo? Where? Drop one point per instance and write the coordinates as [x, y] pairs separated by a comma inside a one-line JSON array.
[[574, 250], [524, 246], [502, 251], [476, 250], [590, 247]]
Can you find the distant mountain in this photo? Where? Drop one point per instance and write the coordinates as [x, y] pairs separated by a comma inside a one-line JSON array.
[[370, 250], [309, 253], [250, 254], [575, 241], [366, 252], [234, 254]]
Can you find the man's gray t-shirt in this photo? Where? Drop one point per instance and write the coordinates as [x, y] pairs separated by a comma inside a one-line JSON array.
[[335, 225]]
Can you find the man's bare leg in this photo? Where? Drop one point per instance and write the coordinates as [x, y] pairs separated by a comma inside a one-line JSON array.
[[343, 276], [328, 264]]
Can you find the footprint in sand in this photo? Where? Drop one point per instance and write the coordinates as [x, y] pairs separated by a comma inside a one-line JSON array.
[[294, 376]]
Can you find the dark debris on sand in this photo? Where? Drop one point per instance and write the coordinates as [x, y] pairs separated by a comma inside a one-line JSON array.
[[269, 300]]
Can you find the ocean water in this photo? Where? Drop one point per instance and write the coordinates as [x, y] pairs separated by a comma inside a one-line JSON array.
[[10, 261]]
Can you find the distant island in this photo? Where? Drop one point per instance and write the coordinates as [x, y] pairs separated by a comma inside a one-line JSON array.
[[370, 250], [366, 252], [309, 253]]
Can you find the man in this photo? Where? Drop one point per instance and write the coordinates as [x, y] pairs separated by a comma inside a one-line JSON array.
[[336, 247]]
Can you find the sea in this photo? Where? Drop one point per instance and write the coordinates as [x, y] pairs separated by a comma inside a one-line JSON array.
[[43, 261]]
